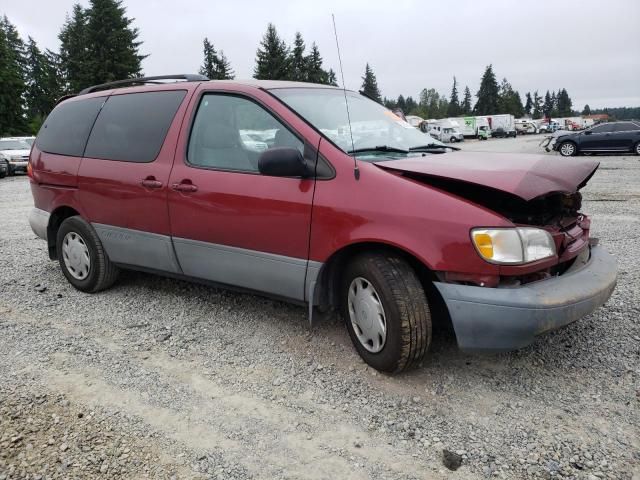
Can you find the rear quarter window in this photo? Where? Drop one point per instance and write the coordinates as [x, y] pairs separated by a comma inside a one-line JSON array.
[[132, 127], [66, 129]]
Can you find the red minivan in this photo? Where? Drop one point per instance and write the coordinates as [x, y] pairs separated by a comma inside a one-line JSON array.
[[274, 187]]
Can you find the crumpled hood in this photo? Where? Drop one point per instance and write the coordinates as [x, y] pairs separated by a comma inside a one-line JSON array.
[[524, 175]]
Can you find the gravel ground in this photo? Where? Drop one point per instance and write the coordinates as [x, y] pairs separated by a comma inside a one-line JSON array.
[[159, 378]]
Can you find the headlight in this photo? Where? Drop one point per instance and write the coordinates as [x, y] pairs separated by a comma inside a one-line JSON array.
[[513, 245]]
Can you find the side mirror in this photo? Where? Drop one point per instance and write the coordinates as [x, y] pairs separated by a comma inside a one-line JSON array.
[[282, 162], [587, 132]]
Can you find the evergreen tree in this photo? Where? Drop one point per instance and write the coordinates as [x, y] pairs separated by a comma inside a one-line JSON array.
[[547, 107], [554, 104], [565, 104], [430, 103], [401, 104], [528, 105], [411, 105], [44, 85], [389, 103], [12, 80], [272, 57], [223, 67], [466, 102], [586, 110], [298, 62], [112, 43], [215, 66], [370, 85], [74, 52], [331, 78], [454, 102], [537, 106], [208, 68], [488, 94], [510, 101], [315, 72]]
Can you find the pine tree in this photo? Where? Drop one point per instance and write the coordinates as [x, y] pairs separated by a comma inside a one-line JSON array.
[[547, 107], [537, 106], [488, 94], [430, 103], [74, 52], [564, 104], [315, 73], [215, 65], [370, 85], [401, 104], [298, 62], [529, 105], [509, 100], [466, 102], [12, 80], [586, 110], [331, 78], [112, 43], [454, 102], [223, 68], [554, 104], [272, 57], [411, 105], [208, 68], [44, 85]]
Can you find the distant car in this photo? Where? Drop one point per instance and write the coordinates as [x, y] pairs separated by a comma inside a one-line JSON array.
[[502, 133], [414, 120], [14, 153], [4, 169], [252, 143], [605, 137]]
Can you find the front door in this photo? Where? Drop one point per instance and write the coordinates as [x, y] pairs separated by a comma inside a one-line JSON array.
[[229, 223], [600, 138]]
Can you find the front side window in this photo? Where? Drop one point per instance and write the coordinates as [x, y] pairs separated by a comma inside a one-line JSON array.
[[376, 130], [602, 129], [230, 132], [132, 127]]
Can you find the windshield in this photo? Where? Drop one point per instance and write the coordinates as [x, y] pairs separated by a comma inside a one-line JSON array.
[[373, 125], [14, 145]]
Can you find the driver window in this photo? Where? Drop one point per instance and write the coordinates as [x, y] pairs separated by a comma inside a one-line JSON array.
[[230, 133]]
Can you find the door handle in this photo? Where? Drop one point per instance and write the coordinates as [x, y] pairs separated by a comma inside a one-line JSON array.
[[184, 187], [151, 182]]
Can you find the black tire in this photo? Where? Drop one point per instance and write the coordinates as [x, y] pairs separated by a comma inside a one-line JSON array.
[[637, 148], [3, 174], [102, 273], [568, 149], [406, 310]]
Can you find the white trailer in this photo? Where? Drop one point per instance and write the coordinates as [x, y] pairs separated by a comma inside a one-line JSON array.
[[503, 123]]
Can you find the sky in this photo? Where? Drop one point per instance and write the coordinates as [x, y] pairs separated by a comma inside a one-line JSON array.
[[589, 47]]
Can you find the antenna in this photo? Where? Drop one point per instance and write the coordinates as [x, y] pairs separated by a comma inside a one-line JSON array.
[[356, 171]]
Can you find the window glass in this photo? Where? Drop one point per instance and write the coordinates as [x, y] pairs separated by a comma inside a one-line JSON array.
[[602, 129], [230, 132], [625, 127], [132, 127], [67, 127]]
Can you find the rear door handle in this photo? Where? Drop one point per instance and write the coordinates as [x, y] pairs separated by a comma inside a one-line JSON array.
[[184, 187], [151, 182]]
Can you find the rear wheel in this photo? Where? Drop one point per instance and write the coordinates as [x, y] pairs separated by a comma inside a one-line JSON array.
[[637, 149], [386, 311], [82, 257], [567, 149]]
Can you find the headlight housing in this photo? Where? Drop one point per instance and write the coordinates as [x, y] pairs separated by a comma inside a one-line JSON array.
[[512, 246]]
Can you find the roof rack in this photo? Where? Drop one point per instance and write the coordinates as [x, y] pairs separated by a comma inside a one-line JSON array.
[[187, 77]]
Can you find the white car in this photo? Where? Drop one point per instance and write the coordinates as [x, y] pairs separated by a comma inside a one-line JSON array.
[[252, 144], [14, 151]]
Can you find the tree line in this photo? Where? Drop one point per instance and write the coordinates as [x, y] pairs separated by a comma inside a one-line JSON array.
[[491, 98], [99, 44]]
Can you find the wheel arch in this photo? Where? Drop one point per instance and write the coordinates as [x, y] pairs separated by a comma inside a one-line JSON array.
[[327, 292], [59, 215]]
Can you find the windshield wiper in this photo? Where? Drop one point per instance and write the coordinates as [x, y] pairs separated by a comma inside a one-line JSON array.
[[431, 146], [379, 148]]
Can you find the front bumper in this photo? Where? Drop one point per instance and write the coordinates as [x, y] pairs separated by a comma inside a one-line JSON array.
[[18, 166], [501, 319]]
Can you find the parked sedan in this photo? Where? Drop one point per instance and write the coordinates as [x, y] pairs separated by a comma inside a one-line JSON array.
[[606, 137], [14, 153]]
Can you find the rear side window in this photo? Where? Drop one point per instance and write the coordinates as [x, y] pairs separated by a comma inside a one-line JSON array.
[[132, 127], [625, 127], [66, 129]]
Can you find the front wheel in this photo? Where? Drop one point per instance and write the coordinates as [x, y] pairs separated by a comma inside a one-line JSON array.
[[637, 149], [386, 311], [567, 149], [82, 257]]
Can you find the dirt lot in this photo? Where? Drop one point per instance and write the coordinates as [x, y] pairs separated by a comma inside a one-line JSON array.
[[158, 378]]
